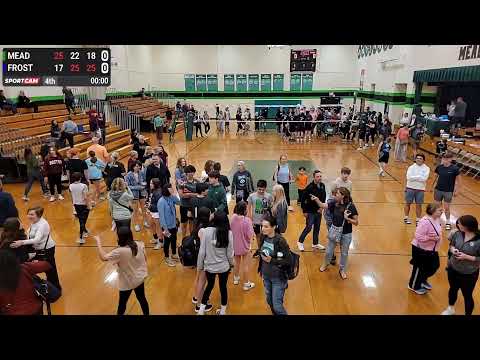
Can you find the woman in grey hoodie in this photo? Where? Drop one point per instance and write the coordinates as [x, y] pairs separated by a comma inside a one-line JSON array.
[[216, 257], [119, 200]]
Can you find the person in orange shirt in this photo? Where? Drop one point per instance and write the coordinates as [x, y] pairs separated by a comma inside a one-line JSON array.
[[301, 180], [100, 150]]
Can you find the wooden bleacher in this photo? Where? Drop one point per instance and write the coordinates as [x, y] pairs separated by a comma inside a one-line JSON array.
[[28, 129]]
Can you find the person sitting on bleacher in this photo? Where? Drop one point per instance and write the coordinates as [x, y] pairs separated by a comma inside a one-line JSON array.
[[24, 102], [55, 130], [6, 104], [69, 129]]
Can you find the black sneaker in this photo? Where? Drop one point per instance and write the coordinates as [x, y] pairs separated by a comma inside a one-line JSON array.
[[208, 308], [407, 221]]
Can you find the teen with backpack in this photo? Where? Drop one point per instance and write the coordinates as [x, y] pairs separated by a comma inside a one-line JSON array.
[[275, 255]]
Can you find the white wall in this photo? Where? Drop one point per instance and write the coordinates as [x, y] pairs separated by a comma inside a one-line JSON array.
[[401, 62], [408, 59], [164, 66]]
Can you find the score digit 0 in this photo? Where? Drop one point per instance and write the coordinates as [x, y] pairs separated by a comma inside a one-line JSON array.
[[104, 68]]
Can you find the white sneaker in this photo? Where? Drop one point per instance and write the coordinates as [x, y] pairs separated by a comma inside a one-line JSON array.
[[382, 174], [153, 241], [360, 148], [60, 197], [158, 246], [137, 228], [25, 198], [101, 198], [449, 311], [81, 241], [236, 280], [85, 235], [290, 208], [248, 286], [74, 212], [52, 198], [146, 224], [300, 246], [318, 246]]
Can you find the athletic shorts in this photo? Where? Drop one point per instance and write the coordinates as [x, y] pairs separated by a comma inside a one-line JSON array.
[[184, 214], [445, 196], [384, 158], [93, 181], [416, 196], [257, 228], [361, 134]]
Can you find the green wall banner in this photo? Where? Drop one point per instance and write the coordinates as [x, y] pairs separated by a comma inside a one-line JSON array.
[[266, 82], [295, 82], [253, 82], [277, 82], [201, 82], [307, 82], [212, 83], [228, 82], [241, 80], [190, 82]]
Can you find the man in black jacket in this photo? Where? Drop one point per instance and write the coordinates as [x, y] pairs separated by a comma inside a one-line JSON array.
[[157, 169], [7, 206], [312, 211]]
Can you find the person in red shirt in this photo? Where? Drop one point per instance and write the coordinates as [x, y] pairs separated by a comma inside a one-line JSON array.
[[17, 293]]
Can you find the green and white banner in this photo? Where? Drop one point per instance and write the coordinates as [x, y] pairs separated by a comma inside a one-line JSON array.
[[241, 81], [266, 82], [295, 82], [190, 82], [229, 82], [307, 82], [278, 82], [201, 82], [253, 82], [212, 83]]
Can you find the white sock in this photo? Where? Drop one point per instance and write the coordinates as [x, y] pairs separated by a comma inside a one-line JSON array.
[[223, 310], [405, 217], [202, 309], [450, 308]]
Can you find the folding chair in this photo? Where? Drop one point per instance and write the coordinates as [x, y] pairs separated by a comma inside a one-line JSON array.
[[474, 165]]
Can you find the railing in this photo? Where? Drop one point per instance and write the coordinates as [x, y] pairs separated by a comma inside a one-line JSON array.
[[123, 118]]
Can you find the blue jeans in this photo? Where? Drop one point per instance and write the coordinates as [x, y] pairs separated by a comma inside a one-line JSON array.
[[31, 178], [312, 220], [345, 242], [274, 292]]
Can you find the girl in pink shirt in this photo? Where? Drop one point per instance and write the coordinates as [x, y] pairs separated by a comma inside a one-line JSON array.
[[425, 244], [242, 230]]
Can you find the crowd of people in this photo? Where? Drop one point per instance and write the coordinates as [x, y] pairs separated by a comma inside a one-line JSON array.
[[145, 194]]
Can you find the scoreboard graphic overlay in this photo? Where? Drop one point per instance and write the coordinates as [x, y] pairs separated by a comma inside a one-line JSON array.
[[303, 60], [56, 67]]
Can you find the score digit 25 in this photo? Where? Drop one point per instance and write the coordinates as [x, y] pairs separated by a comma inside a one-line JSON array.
[[75, 67], [91, 68]]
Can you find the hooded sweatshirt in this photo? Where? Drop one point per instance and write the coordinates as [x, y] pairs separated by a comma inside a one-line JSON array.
[[118, 198]]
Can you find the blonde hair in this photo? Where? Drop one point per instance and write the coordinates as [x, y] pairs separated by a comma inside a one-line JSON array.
[[133, 153], [118, 184], [278, 198], [148, 150]]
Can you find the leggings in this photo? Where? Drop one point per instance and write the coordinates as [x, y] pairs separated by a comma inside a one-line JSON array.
[[55, 180], [464, 282], [198, 126], [170, 241], [286, 188], [82, 215], [139, 293], [222, 279], [121, 223]]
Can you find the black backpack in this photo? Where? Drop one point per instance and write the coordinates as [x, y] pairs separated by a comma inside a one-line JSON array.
[[188, 251], [294, 267]]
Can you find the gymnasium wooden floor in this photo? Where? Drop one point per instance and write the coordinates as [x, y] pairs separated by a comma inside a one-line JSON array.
[[378, 263]]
